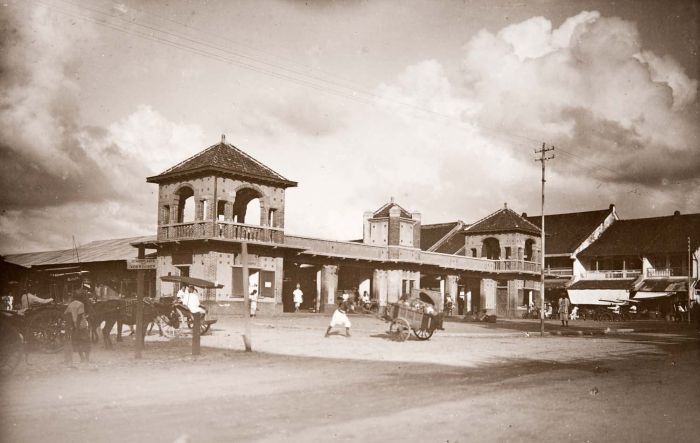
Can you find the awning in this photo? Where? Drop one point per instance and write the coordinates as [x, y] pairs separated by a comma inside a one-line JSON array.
[[596, 296], [199, 282], [665, 285], [644, 295]]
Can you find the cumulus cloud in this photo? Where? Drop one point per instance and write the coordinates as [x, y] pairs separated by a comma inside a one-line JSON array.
[[450, 143], [588, 87], [59, 177]]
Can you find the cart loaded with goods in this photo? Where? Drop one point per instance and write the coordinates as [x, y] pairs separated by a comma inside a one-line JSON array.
[[417, 312]]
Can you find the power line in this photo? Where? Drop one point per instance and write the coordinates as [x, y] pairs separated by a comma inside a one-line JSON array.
[[348, 91]]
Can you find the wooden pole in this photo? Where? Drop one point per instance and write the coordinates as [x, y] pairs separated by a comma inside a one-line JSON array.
[[247, 337], [196, 322], [139, 306]]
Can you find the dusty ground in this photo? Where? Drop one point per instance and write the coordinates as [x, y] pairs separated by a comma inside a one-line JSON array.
[[471, 382]]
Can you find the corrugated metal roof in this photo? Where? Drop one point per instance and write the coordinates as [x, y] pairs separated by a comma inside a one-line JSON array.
[[96, 251]]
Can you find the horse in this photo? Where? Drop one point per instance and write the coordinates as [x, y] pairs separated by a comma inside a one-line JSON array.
[[119, 312]]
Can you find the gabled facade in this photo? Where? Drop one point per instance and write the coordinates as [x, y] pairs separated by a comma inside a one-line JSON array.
[[644, 258]]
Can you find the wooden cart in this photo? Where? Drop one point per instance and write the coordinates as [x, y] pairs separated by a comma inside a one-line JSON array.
[[405, 318]]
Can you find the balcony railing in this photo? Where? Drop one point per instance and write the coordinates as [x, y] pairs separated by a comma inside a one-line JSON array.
[[612, 274], [219, 229], [666, 272], [517, 265], [559, 272]]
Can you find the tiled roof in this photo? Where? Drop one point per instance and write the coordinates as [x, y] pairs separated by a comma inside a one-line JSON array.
[[503, 220], [96, 251], [566, 232], [432, 234], [226, 158], [644, 236], [602, 284], [384, 211]]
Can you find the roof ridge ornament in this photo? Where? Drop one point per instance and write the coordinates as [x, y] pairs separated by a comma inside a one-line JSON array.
[[223, 138]]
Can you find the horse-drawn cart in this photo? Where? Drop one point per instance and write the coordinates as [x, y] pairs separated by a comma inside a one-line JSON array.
[[417, 313]]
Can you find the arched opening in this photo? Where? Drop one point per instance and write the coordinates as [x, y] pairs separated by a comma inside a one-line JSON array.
[[185, 204], [491, 248], [528, 249], [247, 206]]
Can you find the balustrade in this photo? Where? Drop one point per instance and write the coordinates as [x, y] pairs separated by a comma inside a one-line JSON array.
[[665, 272], [219, 229]]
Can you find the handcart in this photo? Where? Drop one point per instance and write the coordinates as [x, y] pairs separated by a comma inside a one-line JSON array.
[[417, 313]]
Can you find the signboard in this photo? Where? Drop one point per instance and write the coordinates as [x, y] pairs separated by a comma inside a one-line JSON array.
[[141, 263]]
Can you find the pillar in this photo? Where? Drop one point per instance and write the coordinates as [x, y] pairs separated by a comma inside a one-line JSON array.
[[380, 288], [329, 286], [451, 289]]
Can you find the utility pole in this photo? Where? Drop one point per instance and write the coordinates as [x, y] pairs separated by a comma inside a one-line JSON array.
[[543, 159]]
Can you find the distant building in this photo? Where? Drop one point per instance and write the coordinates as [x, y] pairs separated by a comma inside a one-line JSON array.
[[646, 258]]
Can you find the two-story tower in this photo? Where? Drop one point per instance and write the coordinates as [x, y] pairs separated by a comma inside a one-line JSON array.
[[210, 203]]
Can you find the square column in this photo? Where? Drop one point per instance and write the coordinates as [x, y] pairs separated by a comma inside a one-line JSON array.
[[451, 289], [329, 286]]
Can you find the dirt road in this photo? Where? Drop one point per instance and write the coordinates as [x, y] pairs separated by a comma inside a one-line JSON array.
[[298, 386]]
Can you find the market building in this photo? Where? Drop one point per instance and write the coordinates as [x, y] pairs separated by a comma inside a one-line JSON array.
[[220, 198]]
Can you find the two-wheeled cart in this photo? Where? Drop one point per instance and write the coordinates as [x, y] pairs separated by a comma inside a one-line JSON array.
[[417, 314]]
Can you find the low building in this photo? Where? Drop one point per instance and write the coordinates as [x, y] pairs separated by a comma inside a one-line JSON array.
[[644, 259], [103, 265]]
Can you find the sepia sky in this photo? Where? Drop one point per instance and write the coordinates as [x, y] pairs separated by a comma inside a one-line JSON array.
[[439, 104]]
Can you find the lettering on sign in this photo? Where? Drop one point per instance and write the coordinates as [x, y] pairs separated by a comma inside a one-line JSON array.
[[141, 263]]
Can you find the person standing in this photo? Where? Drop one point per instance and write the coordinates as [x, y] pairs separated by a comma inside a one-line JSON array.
[[564, 310], [340, 318], [253, 299], [77, 330], [298, 298]]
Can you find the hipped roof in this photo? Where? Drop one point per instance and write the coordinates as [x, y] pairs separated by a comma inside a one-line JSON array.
[[226, 159], [503, 220]]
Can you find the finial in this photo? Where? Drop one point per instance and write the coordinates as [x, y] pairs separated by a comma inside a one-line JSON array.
[[392, 199], [223, 138], [505, 205]]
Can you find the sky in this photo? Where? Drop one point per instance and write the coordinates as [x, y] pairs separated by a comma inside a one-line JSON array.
[[438, 104]]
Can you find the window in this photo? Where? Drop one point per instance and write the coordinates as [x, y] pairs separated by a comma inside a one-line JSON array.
[[473, 252], [508, 252], [166, 214]]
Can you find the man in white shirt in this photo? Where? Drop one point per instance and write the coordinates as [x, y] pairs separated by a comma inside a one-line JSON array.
[[298, 298], [191, 300]]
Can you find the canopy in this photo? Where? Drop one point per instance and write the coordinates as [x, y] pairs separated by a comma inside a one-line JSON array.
[[642, 295], [603, 297], [200, 283], [426, 295]]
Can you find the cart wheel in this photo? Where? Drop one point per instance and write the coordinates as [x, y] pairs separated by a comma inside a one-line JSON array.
[[47, 330], [203, 325], [400, 328], [423, 334]]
